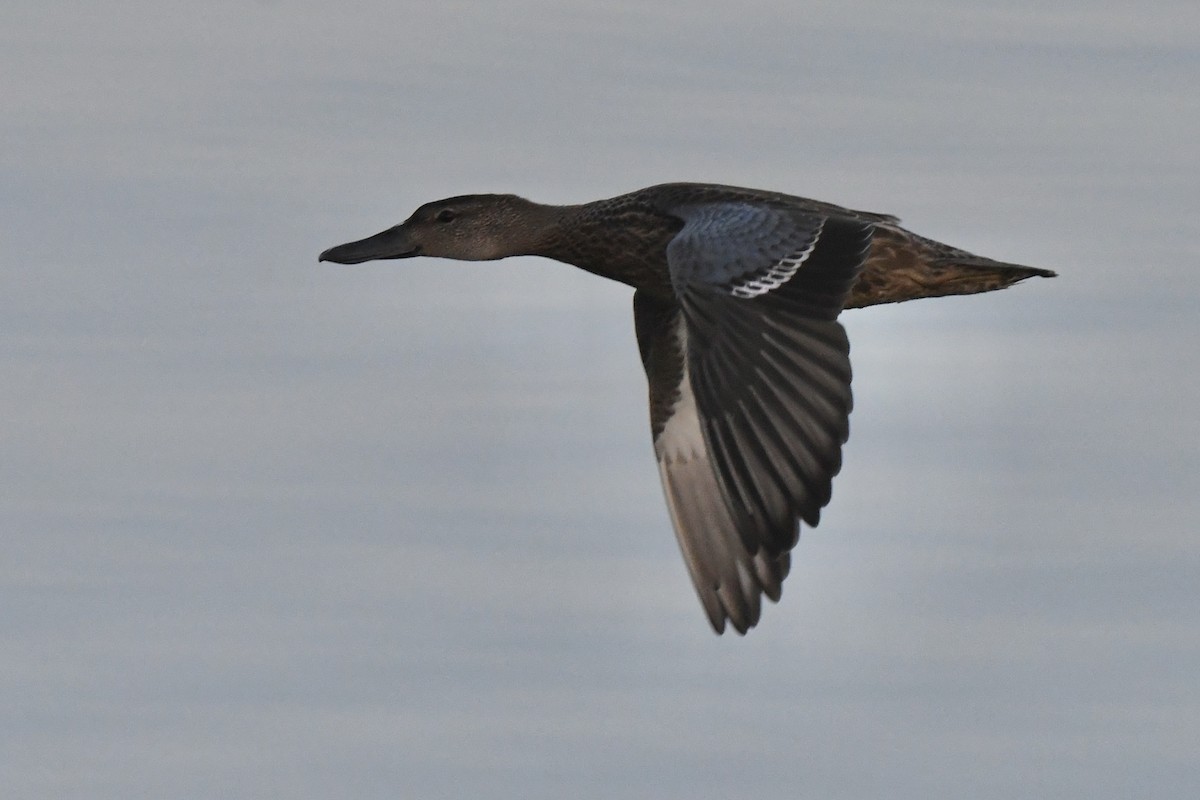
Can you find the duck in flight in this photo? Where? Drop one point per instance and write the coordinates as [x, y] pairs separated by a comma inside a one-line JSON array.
[[737, 295]]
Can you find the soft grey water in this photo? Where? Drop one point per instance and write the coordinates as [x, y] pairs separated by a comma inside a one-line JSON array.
[[280, 529]]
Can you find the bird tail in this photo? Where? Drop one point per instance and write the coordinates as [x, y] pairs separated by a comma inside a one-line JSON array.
[[903, 266]]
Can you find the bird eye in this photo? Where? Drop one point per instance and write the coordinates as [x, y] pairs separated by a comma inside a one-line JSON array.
[[445, 215]]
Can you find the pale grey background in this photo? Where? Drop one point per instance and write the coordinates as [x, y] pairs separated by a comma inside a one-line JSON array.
[[280, 529]]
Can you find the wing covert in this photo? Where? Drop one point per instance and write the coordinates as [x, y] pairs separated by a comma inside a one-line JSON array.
[[749, 376]]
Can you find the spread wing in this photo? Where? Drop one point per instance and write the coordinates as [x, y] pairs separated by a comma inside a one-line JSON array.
[[749, 376]]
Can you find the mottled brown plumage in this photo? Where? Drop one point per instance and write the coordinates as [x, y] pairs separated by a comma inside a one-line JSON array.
[[736, 304], [903, 266], [625, 238]]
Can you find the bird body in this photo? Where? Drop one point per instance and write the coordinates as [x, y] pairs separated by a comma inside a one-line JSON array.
[[737, 294]]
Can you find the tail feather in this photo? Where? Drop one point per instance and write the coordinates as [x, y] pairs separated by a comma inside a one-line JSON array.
[[903, 266]]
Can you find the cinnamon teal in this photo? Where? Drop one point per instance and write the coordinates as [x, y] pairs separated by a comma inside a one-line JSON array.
[[737, 295]]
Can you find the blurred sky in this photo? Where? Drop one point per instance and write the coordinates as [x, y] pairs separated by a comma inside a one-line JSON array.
[[280, 529]]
